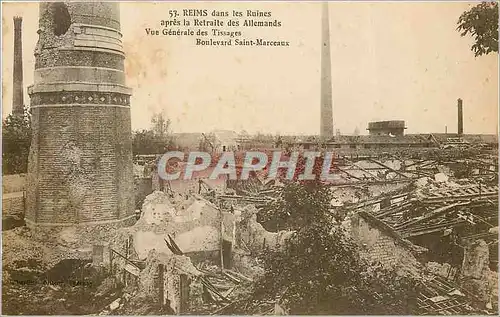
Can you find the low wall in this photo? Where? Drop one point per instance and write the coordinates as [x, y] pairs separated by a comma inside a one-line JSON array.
[[13, 200], [13, 183], [13, 204]]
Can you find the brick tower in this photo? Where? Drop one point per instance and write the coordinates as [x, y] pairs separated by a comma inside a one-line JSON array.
[[80, 161], [18, 88]]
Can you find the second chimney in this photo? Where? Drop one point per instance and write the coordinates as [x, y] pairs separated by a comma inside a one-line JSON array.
[[18, 90], [460, 117]]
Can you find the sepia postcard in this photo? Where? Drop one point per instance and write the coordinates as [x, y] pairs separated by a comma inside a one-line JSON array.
[[249, 158]]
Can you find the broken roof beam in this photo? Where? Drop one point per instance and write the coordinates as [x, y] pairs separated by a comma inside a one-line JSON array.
[[429, 162], [433, 214], [418, 162], [486, 170], [431, 200], [422, 170], [421, 173], [485, 163], [437, 228], [418, 168], [366, 171], [393, 209], [252, 199], [392, 181], [464, 192], [388, 167], [347, 173], [376, 200]]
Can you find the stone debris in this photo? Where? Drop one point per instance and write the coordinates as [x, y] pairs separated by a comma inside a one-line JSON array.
[[441, 178], [115, 304], [138, 170]]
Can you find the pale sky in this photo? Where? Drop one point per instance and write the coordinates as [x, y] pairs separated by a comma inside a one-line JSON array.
[[389, 61]]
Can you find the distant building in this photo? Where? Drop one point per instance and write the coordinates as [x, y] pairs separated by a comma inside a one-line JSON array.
[[394, 128], [188, 141], [216, 141], [351, 143], [226, 140]]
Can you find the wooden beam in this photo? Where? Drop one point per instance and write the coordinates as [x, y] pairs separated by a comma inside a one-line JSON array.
[[343, 171], [418, 162], [392, 181], [443, 226], [393, 209], [433, 214], [430, 199], [365, 170], [389, 168]]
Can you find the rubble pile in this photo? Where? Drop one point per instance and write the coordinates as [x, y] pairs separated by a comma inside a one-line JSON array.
[[177, 240], [450, 217], [198, 253]]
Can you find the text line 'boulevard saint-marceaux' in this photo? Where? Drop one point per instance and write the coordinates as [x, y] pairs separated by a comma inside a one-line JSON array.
[[240, 42]]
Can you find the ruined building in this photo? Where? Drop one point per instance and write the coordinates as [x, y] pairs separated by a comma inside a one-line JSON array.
[[18, 91], [80, 162], [326, 124]]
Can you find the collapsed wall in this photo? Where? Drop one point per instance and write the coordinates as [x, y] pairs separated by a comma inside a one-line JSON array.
[[476, 276], [378, 243], [167, 278], [201, 231], [193, 222], [198, 227], [252, 235]]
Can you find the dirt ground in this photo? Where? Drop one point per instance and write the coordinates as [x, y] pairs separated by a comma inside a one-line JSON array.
[[45, 299], [49, 279], [71, 287]]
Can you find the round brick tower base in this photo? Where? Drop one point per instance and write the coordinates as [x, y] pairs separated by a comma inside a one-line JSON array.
[[80, 162]]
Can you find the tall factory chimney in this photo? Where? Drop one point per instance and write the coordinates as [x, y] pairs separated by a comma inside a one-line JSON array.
[[326, 124], [80, 160], [18, 89], [460, 118]]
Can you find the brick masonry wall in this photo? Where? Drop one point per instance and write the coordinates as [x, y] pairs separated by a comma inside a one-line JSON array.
[[82, 163], [378, 246]]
